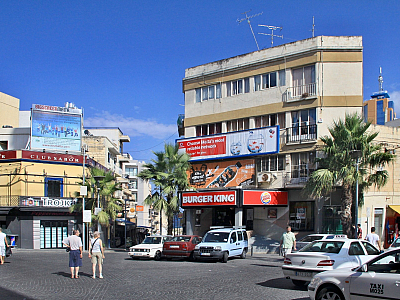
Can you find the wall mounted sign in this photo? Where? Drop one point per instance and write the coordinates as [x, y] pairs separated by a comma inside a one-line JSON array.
[[235, 144], [262, 197], [47, 201], [217, 198]]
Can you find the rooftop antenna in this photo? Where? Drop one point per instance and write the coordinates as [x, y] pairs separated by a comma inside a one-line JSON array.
[[248, 21], [313, 27], [380, 79], [272, 28]]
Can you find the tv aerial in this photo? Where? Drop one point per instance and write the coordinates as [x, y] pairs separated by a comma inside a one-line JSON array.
[[272, 28], [248, 21]]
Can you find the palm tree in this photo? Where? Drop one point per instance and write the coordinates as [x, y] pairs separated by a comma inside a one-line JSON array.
[[168, 174], [105, 189], [337, 168]]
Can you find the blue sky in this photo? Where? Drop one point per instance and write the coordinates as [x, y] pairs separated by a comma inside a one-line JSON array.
[[123, 61]]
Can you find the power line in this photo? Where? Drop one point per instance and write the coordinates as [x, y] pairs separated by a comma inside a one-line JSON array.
[[157, 144]]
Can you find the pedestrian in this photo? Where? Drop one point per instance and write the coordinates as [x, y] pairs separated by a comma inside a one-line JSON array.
[[74, 243], [359, 232], [3, 244], [96, 253], [288, 241], [373, 238]]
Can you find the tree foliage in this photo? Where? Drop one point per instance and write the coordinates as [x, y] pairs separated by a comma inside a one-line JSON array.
[[337, 167], [167, 173]]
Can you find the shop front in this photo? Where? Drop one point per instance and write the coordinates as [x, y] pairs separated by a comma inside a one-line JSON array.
[[392, 224]]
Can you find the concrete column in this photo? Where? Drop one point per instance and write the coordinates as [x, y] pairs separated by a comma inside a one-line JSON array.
[[190, 221], [238, 216]]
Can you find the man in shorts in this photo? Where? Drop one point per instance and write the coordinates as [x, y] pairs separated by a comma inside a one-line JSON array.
[[74, 243], [3, 244]]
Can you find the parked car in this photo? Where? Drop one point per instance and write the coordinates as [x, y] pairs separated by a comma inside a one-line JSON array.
[[395, 244], [151, 247], [316, 236], [222, 243], [181, 246], [323, 255], [379, 278]]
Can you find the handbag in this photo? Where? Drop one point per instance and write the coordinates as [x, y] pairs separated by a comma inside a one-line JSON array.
[[8, 252], [92, 246], [68, 249]]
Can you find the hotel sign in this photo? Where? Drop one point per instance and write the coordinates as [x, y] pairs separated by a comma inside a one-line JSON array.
[[52, 157], [47, 202]]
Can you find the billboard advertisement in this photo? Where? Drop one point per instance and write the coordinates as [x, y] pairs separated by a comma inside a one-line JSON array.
[[235, 144], [215, 198], [56, 128], [260, 197], [222, 174]]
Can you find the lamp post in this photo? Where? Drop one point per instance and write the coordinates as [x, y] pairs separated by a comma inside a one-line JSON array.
[[356, 154], [98, 178]]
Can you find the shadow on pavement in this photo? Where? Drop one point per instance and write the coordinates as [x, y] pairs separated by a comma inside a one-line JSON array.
[[7, 294], [282, 283], [68, 275], [265, 265]]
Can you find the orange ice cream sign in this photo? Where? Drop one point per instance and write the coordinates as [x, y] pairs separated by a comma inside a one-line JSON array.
[[265, 198]]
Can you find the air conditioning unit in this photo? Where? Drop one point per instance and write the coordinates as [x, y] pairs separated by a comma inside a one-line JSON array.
[[264, 177]]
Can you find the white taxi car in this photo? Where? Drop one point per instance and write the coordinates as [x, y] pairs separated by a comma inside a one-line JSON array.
[[323, 255], [317, 236], [377, 279], [222, 243], [151, 247]]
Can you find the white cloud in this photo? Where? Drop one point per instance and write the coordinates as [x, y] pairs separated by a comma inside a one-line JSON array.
[[131, 126]]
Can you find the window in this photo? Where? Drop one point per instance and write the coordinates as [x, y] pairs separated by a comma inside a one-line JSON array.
[[133, 184], [208, 92], [236, 87], [131, 171], [270, 120], [331, 221], [265, 81], [356, 249], [370, 249], [235, 125], [301, 215], [257, 83], [208, 129], [233, 237], [134, 197], [303, 164], [282, 78], [389, 263], [53, 187], [321, 246], [240, 236], [52, 233], [271, 163], [304, 81]]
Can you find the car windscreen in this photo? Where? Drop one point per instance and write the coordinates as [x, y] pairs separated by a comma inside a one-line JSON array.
[[311, 238], [323, 247], [180, 239], [216, 237], [152, 240], [396, 243]]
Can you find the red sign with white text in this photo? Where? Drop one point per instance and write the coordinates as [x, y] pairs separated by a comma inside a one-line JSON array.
[[265, 198], [8, 154], [209, 198], [204, 146], [55, 157]]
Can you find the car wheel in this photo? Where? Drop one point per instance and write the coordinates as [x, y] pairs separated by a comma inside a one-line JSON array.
[[329, 293], [225, 257], [157, 256], [299, 283], [191, 257], [243, 255]]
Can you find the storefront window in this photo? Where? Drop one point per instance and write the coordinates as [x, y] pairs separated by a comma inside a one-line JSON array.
[[301, 215], [331, 220], [52, 233]]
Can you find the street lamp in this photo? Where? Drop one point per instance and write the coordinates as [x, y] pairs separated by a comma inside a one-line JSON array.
[[356, 154], [98, 178]]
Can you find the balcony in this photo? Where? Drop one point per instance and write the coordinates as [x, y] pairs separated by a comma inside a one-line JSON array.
[[298, 178], [300, 92], [301, 134]]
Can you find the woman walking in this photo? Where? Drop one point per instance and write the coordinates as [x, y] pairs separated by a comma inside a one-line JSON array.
[[96, 253]]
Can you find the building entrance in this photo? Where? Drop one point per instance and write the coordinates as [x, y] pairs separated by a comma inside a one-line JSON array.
[[52, 234]]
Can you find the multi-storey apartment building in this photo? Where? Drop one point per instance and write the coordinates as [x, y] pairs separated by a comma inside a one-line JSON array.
[[252, 124]]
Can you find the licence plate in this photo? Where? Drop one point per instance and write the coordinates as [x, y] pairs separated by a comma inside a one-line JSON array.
[[174, 246], [304, 274], [140, 254], [205, 254]]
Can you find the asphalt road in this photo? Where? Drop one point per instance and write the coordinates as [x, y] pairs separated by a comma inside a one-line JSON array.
[[44, 274]]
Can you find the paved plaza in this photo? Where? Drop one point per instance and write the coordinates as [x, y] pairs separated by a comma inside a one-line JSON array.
[[44, 274]]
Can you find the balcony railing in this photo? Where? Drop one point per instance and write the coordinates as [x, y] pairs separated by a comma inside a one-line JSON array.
[[300, 92], [301, 134]]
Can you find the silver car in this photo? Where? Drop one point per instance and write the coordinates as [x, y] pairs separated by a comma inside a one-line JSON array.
[[379, 278]]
